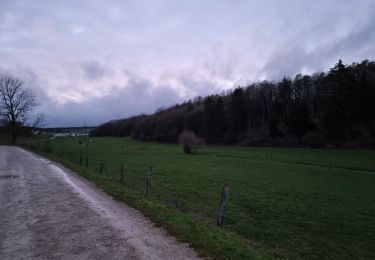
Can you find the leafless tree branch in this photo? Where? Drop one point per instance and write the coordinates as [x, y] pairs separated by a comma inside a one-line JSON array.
[[16, 102]]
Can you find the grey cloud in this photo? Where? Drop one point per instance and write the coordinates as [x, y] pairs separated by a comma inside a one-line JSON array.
[[197, 86], [93, 70], [30, 78], [357, 41], [287, 62], [290, 59], [224, 61], [250, 38], [137, 97], [140, 96]]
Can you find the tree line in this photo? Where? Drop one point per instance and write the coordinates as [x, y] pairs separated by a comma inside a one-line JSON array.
[[334, 108]]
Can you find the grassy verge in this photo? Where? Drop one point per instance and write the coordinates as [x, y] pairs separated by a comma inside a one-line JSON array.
[[287, 203], [6, 139], [207, 240]]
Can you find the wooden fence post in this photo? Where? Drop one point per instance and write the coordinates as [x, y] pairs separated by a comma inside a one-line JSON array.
[[149, 181], [223, 205], [101, 167], [122, 172], [87, 152], [46, 146]]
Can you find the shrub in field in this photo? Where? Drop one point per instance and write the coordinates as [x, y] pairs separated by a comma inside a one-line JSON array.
[[190, 142]]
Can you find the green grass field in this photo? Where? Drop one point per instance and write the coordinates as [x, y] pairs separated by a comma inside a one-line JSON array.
[[6, 139], [283, 203]]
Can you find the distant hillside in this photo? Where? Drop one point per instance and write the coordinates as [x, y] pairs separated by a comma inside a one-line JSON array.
[[80, 130], [334, 108], [122, 127]]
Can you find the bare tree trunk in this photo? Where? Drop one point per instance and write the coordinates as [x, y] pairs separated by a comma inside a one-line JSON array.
[[14, 134], [16, 103]]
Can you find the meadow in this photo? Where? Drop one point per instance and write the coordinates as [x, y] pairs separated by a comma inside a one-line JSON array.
[[283, 202]]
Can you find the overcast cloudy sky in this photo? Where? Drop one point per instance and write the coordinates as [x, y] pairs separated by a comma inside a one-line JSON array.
[[93, 61]]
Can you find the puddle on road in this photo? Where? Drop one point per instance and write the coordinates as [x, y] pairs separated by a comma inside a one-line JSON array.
[[9, 176]]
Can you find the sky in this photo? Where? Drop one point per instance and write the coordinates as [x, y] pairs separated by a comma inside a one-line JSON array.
[[91, 61]]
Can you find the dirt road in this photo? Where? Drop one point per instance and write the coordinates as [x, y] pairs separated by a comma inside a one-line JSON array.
[[48, 212]]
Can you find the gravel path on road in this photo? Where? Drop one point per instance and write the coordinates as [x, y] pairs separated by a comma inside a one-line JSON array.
[[49, 212]]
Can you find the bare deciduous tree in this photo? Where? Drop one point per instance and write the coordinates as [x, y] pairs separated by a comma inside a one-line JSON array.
[[190, 142], [16, 103]]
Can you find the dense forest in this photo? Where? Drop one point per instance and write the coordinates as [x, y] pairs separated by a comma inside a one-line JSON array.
[[326, 109]]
